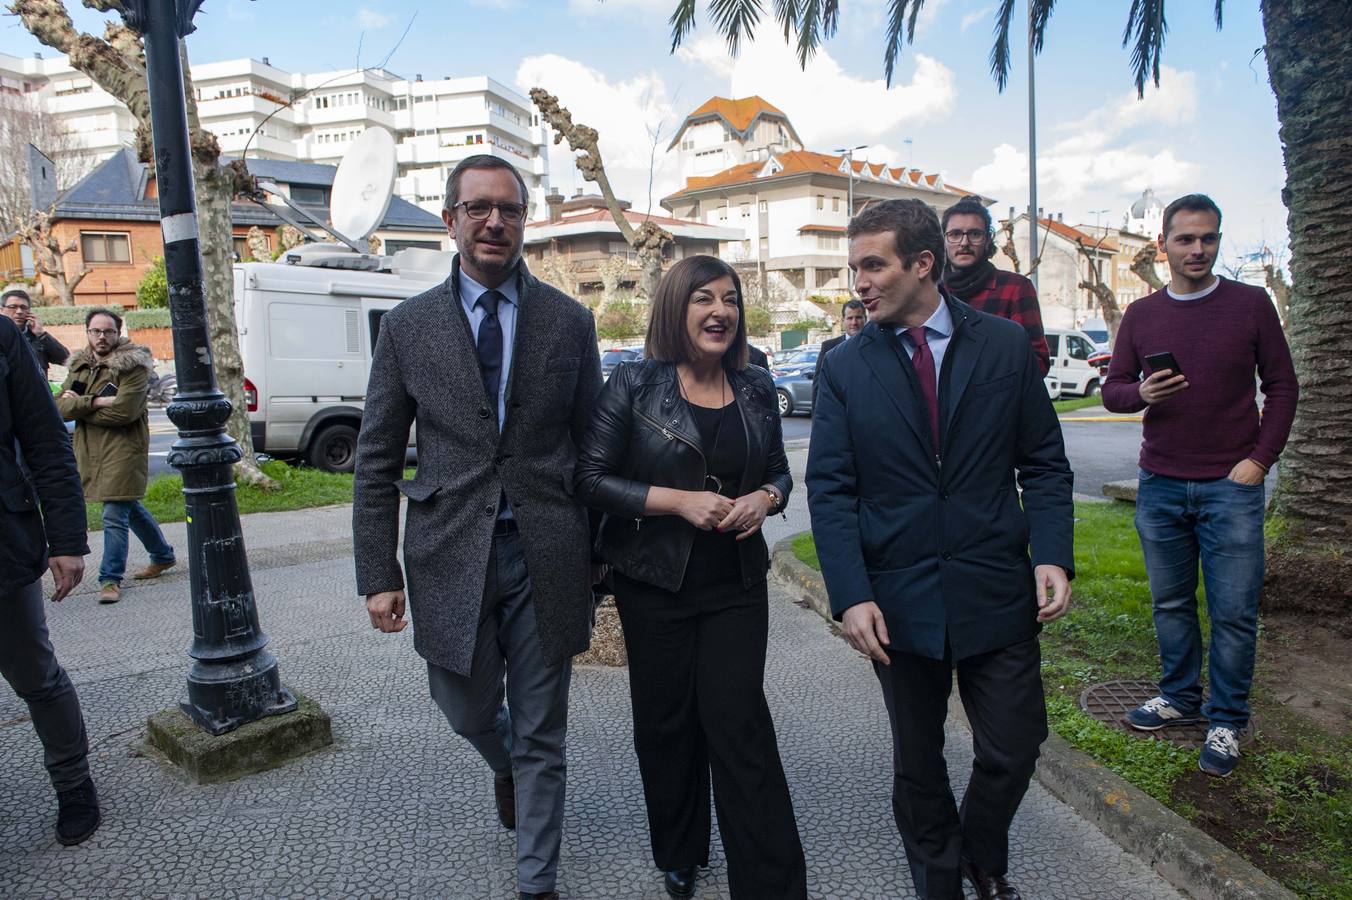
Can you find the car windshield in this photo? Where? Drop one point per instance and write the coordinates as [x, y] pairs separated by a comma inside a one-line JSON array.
[[615, 357]]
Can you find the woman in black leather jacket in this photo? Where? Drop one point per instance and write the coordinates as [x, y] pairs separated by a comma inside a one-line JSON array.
[[686, 458]]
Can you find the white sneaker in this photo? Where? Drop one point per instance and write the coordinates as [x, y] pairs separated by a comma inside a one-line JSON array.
[[1220, 753]]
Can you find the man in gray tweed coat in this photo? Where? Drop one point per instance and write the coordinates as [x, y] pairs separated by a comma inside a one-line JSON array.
[[499, 372]]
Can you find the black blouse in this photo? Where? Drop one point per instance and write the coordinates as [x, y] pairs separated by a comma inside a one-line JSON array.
[[714, 557]]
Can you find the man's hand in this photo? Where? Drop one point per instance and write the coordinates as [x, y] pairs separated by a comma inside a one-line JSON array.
[[35, 325], [1162, 385], [747, 514], [386, 610], [1246, 471], [66, 572], [866, 631], [1053, 592], [704, 509], [69, 395]]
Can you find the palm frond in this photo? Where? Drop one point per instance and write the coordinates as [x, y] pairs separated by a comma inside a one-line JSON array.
[[1145, 32], [1042, 13], [1219, 5], [735, 19], [897, 32], [1000, 51], [682, 22], [809, 31], [786, 14], [831, 17]]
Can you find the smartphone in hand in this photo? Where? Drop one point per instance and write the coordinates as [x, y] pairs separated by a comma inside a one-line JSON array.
[[1158, 362], [78, 387]]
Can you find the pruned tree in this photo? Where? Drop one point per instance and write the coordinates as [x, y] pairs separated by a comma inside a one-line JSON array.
[[1309, 68], [24, 122], [1143, 266], [116, 63], [649, 240], [1280, 290], [257, 242], [1008, 248], [1095, 285], [49, 256], [558, 270], [612, 272]]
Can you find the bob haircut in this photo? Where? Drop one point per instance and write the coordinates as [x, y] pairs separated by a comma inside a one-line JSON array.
[[667, 339]]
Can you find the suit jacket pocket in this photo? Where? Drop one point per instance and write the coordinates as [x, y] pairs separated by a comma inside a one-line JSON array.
[[995, 385], [417, 489]]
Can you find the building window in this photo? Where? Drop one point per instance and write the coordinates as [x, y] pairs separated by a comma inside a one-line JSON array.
[[835, 204], [764, 206], [828, 242], [309, 194], [821, 201], [112, 247], [746, 210]]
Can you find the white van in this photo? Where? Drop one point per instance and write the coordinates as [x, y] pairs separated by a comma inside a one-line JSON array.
[[1071, 374], [307, 331]]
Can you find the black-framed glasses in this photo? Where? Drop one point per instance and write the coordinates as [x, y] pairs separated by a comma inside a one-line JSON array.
[[479, 210], [105, 332], [973, 235], [19, 306]]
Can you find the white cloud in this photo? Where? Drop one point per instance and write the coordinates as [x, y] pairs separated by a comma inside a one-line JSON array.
[[828, 105], [625, 115], [496, 4], [976, 16], [371, 20], [608, 7]]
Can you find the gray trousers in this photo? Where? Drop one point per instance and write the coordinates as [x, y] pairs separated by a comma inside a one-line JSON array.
[[526, 735], [29, 665]]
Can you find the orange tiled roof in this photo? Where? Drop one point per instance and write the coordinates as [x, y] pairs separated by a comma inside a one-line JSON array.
[[603, 215], [806, 162], [739, 113], [1071, 233]]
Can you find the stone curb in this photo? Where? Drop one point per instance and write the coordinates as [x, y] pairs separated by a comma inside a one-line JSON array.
[[1188, 858]]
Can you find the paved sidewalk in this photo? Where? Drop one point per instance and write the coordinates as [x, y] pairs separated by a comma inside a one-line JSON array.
[[400, 807]]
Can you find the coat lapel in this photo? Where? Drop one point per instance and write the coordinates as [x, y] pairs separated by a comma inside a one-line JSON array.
[[964, 350], [883, 357], [523, 340]]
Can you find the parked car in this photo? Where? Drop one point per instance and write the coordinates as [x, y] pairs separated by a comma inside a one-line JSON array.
[[793, 379], [1071, 370], [1097, 330], [616, 355], [1100, 360]]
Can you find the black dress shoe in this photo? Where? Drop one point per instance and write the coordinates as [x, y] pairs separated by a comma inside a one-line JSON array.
[[77, 814], [989, 887], [681, 882], [504, 794]]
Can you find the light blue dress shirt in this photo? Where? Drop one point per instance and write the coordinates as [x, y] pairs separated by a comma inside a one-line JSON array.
[[938, 330], [470, 291]]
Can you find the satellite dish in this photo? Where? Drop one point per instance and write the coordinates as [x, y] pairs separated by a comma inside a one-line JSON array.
[[363, 185]]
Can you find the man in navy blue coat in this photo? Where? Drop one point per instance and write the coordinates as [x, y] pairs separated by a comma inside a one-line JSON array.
[[925, 426]]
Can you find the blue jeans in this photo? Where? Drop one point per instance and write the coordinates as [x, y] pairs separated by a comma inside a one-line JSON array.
[[117, 516], [1222, 522]]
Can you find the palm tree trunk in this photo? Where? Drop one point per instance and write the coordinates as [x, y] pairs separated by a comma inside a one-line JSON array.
[[1310, 70]]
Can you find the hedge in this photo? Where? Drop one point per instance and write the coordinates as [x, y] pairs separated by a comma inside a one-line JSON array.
[[70, 315], [148, 318]]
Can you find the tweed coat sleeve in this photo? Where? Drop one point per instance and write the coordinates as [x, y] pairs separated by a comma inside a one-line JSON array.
[[386, 419]]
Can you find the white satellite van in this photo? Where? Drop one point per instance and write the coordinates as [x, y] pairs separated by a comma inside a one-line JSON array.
[[307, 328]]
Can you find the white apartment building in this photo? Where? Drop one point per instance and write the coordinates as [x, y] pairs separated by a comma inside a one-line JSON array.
[[791, 204], [258, 110]]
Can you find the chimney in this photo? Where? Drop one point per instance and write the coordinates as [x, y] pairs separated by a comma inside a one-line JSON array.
[[37, 54], [1039, 213], [1011, 214], [554, 201], [1060, 217], [418, 77], [266, 61], [578, 192]]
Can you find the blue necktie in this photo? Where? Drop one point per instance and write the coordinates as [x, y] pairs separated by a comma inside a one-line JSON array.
[[490, 346]]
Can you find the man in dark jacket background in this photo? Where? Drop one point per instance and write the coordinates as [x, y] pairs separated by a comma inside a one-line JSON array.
[[33, 543], [18, 306], [925, 422], [853, 318]]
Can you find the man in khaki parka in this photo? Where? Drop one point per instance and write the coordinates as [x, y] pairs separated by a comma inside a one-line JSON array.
[[105, 394]]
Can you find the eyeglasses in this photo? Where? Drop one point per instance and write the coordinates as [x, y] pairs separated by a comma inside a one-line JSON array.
[[479, 210], [102, 332], [973, 235], [19, 306]]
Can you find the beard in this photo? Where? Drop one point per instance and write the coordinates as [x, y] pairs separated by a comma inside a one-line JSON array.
[[489, 266]]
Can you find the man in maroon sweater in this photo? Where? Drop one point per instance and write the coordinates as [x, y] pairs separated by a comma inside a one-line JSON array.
[[1204, 454]]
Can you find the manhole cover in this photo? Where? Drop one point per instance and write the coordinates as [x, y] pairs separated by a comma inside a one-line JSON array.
[[1110, 702]]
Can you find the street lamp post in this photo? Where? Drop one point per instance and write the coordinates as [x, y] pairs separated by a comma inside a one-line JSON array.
[[1032, 158], [848, 152], [233, 679]]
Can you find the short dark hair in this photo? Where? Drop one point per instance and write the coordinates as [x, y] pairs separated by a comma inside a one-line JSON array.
[[1192, 203], [852, 304], [480, 161], [89, 317], [914, 226], [969, 206], [667, 340]]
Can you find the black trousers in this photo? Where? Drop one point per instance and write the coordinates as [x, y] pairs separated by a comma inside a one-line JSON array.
[[1002, 694], [696, 672]]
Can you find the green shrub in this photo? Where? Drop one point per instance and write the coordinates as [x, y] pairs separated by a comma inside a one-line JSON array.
[[805, 325], [620, 320], [148, 318], [153, 291], [70, 315]]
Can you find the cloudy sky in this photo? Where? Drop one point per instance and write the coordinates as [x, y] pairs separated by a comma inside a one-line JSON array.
[[1211, 126]]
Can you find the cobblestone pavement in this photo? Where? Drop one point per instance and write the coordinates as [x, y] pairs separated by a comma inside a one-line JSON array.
[[401, 807]]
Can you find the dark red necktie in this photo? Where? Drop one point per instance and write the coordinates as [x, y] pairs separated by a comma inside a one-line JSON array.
[[923, 361]]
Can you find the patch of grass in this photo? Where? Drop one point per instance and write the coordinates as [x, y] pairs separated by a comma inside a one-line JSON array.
[[1153, 766], [805, 548], [301, 488], [1075, 403]]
